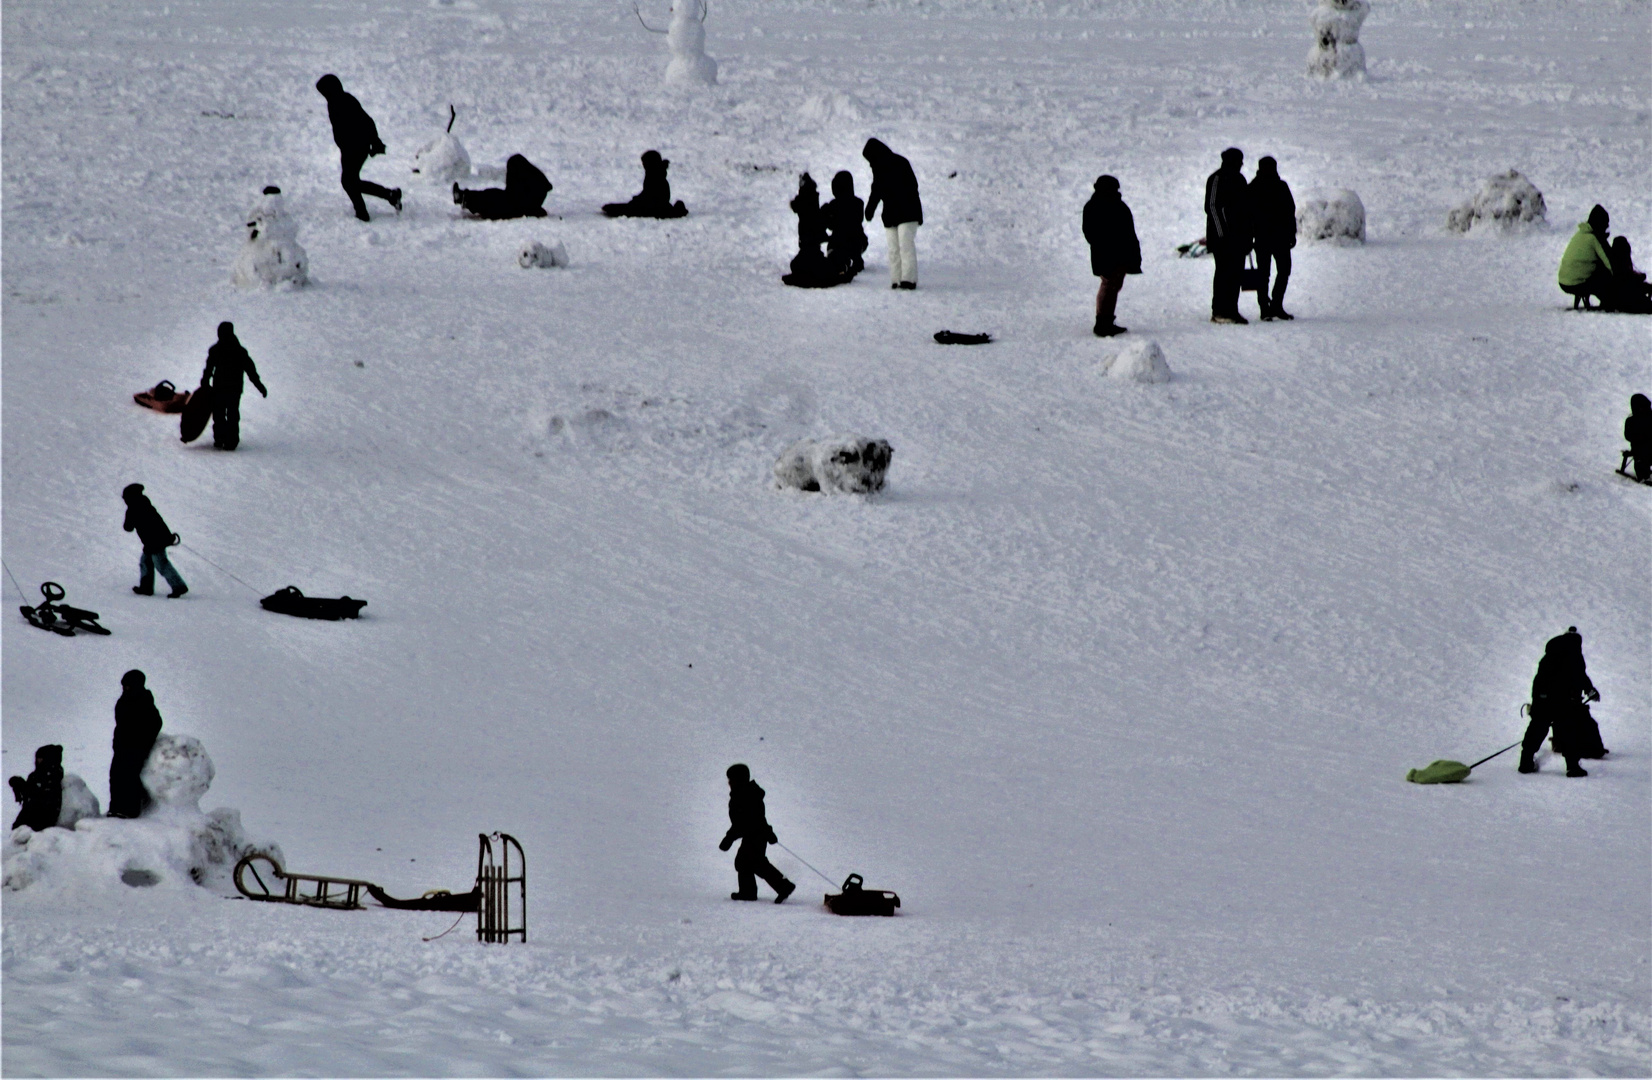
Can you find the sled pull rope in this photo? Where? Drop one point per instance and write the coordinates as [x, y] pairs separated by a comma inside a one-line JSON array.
[[19, 588], [1488, 757], [450, 929], [805, 862], [210, 563]]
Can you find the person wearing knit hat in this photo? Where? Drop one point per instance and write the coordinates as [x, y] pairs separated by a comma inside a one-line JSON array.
[[226, 364], [749, 824], [1114, 249], [143, 519]]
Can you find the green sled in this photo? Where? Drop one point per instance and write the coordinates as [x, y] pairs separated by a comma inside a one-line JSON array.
[[1441, 772]]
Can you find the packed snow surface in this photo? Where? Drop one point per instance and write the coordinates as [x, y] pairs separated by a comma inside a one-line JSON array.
[[1116, 685]]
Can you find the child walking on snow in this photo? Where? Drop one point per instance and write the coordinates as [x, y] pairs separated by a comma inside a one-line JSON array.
[[145, 520]]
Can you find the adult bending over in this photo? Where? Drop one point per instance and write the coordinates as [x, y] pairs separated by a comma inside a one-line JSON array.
[[522, 196], [895, 185]]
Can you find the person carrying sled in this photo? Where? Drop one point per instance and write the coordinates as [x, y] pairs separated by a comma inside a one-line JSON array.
[[654, 200], [1637, 431], [137, 726], [1561, 691], [749, 824], [1585, 268], [1273, 219], [1110, 230], [808, 269], [143, 519], [357, 138], [1227, 235], [895, 185], [227, 363], [522, 196], [42, 793], [845, 228]]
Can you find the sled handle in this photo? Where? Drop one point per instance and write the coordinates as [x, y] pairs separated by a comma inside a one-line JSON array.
[[52, 591]]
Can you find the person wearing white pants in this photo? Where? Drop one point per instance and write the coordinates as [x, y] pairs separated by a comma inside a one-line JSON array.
[[895, 185], [903, 255]]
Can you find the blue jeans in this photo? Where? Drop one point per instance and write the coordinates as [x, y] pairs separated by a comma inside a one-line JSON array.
[[151, 561]]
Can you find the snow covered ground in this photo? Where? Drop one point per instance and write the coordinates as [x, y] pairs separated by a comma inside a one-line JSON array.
[[1116, 684]]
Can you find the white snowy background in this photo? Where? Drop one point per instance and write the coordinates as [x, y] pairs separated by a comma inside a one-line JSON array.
[[1116, 684]]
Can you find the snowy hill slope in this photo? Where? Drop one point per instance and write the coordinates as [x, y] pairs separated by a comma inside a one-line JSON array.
[[1116, 684]]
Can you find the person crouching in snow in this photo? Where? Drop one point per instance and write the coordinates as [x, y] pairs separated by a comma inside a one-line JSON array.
[[227, 363], [146, 521], [845, 229], [522, 196], [654, 201], [137, 726], [895, 185], [1114, 250], [749, 824], [357, 138], [1585, 268]]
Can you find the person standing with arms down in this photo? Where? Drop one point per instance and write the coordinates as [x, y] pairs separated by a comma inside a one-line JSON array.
[[895, 185], [749, 824], [1227, 235], [1114, 249], [137, 726], [1273, 218], [143, 519], [226, 363], [358, 139]]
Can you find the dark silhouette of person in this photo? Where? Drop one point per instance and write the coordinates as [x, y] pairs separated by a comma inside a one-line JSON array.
[[42, 793], [809, 266], [227, 363], [1227, 234], [1637, 431], [137, 725], [522, 196], [1585, 268], [1273, 219], [749, 824], [1561, 691], [1110, 229], [358, 139], [654, 200], [1631, 293], [143, 519], [895, 185], [845, 228]]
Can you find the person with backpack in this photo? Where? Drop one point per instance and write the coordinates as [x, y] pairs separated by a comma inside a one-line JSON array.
[[1114, 250], [895, 185], [137, 726], [42, 793], [227, 363], [145, 520], [1561, 691], [357, 138], [749, 824], [1273, 219], [1227, 235]]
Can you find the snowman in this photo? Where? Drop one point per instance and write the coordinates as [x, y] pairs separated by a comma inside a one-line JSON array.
[[686, 37], [271, 255], [1337, 53]]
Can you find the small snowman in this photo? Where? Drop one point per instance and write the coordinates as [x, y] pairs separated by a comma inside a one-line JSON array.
[[690, 66], [443, 159], [271, 255], [1337, 53]]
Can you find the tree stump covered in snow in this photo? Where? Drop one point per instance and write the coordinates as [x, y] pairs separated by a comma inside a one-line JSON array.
[[1506, 201], [271, 255], [851, 464], [1337, 53], [1336, 215]]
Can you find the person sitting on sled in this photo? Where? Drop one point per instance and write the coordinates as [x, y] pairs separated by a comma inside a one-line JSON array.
[[1561, 691], [749, 824], [654, 201], [522, 196], [1637, 431]]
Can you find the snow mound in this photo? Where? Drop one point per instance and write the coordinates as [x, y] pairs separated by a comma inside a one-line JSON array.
[[1507, 201], [533, 254], [78, 802], [1337, 53], [1336, 215], [830, 107], [442, 160], [852, 464], [177, 773], [271, 255], [1139, 361]]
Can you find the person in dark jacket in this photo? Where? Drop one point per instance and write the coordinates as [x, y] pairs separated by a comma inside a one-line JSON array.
[[227, 363], [1114, 250], [42, 793], [654, 201], [522, 196], [845, 228], [137, 725], [357, 138], [895, 185], [1637, 431], [809, 268], [145, 520], [1227, 234], [1273, 219], [1631, 292], [1561, 691], [749, 824]]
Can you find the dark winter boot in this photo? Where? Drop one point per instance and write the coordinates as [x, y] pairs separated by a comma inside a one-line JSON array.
[[1573, 768], [396, 199], [1108, 329], [1279, 312], [1527, 764], [785, 890], [1267, 312], [141, 591], [179, 591], [741, 896]]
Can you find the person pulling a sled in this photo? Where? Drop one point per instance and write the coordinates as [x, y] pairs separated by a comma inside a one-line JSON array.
[[357, 138], [749, 824], [143, 519], [1637, 431], [227, 363], [654, 201], [522, 196], [1561, 691], [137, 726]]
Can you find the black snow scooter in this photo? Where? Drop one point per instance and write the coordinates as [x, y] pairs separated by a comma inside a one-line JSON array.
[[60, 618]]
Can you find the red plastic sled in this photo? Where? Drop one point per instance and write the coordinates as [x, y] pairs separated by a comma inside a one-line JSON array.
[[163, 397]]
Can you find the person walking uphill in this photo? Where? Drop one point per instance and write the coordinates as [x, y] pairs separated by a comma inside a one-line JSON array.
[[1227, 235], [1561, 691], [226, 364], [137, 725], [145, 520], [1273, 219], [895, 185], [1114, 250], [358, 139], [749, 824]]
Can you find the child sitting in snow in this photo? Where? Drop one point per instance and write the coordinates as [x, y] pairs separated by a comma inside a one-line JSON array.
[[42, 793], [1633, 294], [1637, 432], [809, 270], [845, 228], [522, 196], [654, 200]]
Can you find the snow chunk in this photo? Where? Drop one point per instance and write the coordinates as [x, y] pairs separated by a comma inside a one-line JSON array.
[[177, 773], [1139, 361], [1507, 201], [1337, 53], [830, 107], [78, 802], [442, 160], [272, 255], [1334, 214], [533, 253], [848, 463]]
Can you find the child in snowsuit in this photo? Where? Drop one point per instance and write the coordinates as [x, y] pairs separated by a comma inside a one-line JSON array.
[[227, 363], [1637, 431], [137, 725], [42, 793], [357, 138], [749, 824], [1114, 250], [1273, 219], [845, 228], [895, 185], [1633, 294], [1227, 235], [654, 201], [145, 520], [1561, 691], [1585, 268], [809, 270], [522, 196]]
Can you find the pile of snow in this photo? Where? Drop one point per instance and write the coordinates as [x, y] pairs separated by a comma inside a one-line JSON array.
[[1336, 215], [272, 255], [1139, 361], [442, 160], [533, 253], [1337, 53], [830, 107], [687, 40], [852, 464], [1506, 201]]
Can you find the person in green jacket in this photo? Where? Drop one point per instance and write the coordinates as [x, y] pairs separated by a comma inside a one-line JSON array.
[[1585, 268]]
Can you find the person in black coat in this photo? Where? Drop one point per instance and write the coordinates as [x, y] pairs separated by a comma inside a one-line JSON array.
[[137, 725], [654, 200], [1114, 250], [42, 793], [845, 228], [1227, 234], [1637, 431], [1561, 691], [895, 185], [227, 363], [809, 268], [749, 824], [1273, 219], [358, 139], [143, 519], [1633, 295], [522, 196]]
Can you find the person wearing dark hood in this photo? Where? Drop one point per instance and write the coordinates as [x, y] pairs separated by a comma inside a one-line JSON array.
[[654, 201], [522, 196], [1561, 691], [1227, 235], [1585, 268], [1632, 294], [1114, 250], [357, 138], [845, 228], [227, 363], [1637, 431], [895, 185], [1273, 219], [42, 793], [808, 269], [143, 519], [749, 824], [137, 725]]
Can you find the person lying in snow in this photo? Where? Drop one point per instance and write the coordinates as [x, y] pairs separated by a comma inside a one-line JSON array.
[[357, 138], [522, 196], [845, 228], [1632, 294], [749, 824], [1585, 268], [1637, 431], [137, 726], [42, 793], [654, 200]]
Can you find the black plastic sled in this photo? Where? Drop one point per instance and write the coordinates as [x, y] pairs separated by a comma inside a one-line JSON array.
[[952, 337], [1623, 469], [855, 900], [60, 618], [290, 601], [434, 900]]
